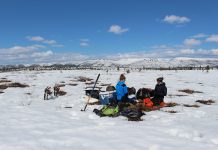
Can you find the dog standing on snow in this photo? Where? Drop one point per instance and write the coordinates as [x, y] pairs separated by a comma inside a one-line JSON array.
[[56, 90], [47, 92]]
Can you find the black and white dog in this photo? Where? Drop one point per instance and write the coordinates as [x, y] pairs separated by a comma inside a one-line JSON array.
[[47, 92], [56, 90]]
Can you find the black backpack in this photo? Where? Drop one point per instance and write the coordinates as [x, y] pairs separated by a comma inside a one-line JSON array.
[[143, 93], [131, 91], [132, 115]]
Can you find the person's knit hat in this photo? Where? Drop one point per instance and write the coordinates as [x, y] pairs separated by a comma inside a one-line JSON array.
[[160, 79]]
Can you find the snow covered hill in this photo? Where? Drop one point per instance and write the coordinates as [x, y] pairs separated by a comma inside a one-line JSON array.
[[29, 122], [150, 62], [128, 62]]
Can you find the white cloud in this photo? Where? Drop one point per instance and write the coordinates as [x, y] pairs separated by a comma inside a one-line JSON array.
[[50, 42], [59, 58], [212, 38], [21, 54], [214, 51], [187, 51], [162, 53], [166, 51], [20, 49], [42, 40], [35, 54], [57, 45], [84, 42], [192, 42], [35, 38], [173, 19], [116, 29], [69, 57], [159, 46], [42, 54], [200, 35]]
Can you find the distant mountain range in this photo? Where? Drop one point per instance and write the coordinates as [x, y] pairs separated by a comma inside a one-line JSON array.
[[150, 62], [129, 63]]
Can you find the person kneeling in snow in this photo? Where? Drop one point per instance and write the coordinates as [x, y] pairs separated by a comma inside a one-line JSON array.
[[159, 92], [122, 90]]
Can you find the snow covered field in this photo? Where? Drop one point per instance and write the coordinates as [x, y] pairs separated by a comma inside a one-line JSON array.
[[27, 122]]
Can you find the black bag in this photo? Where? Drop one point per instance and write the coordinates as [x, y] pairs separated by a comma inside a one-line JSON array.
[[131, 91], [110, 88], [144, 93], [132, 115], [93, 94]]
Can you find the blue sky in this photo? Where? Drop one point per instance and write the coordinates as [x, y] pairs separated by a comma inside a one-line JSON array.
[[40, 30]]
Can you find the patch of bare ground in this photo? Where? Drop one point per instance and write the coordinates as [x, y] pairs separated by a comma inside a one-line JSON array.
[[187, 105], [62, 93], [61, 85], [171, 104], [189, 91], [176, 95], [68, 77], [206, 102], [17, 84], [74, 80], [89, 82], [103, 84], [68, 107], [83, 79], [4, 81], [73, 84], [171, 111], [3, 86]]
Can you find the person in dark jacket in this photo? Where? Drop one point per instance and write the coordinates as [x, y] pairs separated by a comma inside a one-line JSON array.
[[159, 92], [122, 90]]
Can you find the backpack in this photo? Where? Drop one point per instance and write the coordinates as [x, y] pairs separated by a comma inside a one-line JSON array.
[[93, 93], [144, 93], [108, 110], [110, 88], [147, 102], [131, 91], [132, 114]]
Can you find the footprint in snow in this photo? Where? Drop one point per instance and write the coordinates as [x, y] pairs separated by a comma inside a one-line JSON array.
[[214, 141], [154, 147], [74, 115], [191, 135], [93, 116]]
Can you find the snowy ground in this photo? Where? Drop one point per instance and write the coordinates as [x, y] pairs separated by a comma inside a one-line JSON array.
[[30, 123]]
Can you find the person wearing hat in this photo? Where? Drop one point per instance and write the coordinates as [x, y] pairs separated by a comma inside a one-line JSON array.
[[159, 92]]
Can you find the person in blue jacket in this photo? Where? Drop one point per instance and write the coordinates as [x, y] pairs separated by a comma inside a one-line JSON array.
[[122, 90]]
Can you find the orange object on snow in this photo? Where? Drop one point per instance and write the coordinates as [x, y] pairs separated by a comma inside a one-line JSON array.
[[148, 102], [162, 104]]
